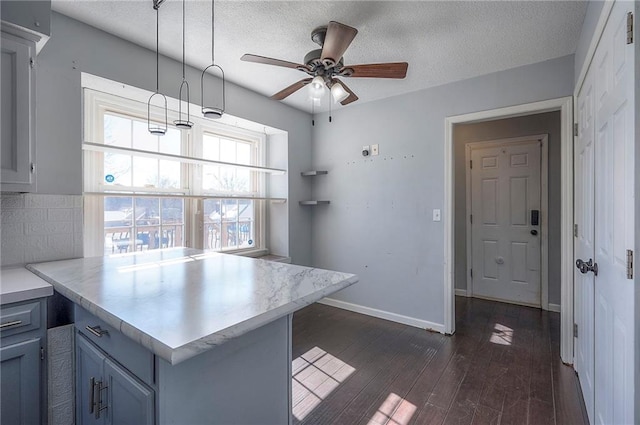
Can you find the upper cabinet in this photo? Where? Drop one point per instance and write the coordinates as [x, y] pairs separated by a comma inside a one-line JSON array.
[[26, 27], [17, 113]]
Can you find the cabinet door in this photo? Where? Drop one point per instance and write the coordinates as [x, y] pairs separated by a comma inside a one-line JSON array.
[[20, 383], [130, 401], [89, 367], [17, 112]]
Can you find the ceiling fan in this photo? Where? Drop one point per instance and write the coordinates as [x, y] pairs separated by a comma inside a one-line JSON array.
[[326, 64]]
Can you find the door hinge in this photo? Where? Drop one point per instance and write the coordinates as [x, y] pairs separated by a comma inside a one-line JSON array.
[[32, 63], [471, 218], [575, 129], [629, 264], [575, 230], [471, 164], [41, 353], [471, 272], [33, 168], [575, 330], [630, 28]]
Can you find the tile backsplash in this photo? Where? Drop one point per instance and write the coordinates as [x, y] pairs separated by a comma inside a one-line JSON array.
[[36, 228]]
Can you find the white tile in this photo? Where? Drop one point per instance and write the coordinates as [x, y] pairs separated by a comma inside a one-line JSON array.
[[49, 228], [60, 214], [11, 201], [11, 257], [11, 230], [22, 215], [49, 201]]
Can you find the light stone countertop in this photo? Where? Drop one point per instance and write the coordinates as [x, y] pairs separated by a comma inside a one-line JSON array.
[[19, 284], [180, 302]]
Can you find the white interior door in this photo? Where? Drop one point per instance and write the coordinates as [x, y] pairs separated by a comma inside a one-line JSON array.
[[584, 242], [613, 79], [505, 238], [604, 295]]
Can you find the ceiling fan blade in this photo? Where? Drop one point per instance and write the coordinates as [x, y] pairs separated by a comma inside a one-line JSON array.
[[337, 40], [378, 70], [352, 96], [270, 61], [291, 89]]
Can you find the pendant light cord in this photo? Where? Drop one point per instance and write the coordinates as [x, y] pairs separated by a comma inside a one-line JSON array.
[[213, 34], [183, 41], [158, 50]]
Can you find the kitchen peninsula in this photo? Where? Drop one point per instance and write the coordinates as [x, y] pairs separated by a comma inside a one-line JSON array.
[[183, 336]]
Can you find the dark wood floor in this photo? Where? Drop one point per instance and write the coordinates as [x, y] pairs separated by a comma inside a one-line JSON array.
[[501, 367]]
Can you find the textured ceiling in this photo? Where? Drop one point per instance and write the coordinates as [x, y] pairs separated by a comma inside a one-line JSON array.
[[442, 41]]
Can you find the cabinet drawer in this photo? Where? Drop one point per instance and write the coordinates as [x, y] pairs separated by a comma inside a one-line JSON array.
[[17, 319], [137, 359]]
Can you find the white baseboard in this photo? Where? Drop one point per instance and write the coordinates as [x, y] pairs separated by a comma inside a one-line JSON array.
[[394, 317], [461, 292], [555, 307]]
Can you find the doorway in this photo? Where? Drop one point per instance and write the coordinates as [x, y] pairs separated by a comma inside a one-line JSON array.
[[507, 230], [565, 228]]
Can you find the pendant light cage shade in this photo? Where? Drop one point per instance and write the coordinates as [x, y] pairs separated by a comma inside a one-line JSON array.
[[157, 103], [184, 120], [217, 105]]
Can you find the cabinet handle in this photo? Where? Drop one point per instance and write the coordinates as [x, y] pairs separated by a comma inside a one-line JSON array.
[[99, 407], [9, 324], [92, 391], [95, 330]]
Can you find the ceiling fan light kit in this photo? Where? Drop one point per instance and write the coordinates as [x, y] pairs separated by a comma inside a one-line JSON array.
[[326, 64], [156, 128]]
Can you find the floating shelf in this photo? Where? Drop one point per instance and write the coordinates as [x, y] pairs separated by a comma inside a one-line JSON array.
[[313, 173], [314, 202]]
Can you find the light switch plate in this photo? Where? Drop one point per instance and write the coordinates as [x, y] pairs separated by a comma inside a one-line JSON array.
[[436, 215], [374, 150]]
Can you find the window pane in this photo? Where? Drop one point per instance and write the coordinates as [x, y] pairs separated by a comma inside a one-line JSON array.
[[244, 154], [147, 220], [118, 224], [117, 131], [211, 178], [227, 150], [246, 223], [210, 147], [117, 166], [171, 142], [170, 174], [172, 220], [145, 172], [142, 139], [212, 224]]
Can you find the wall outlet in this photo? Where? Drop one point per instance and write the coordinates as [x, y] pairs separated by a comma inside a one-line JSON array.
[[374, 150], [366, 150], [436, 215]]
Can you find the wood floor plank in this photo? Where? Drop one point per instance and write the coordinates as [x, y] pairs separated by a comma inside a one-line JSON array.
[[501, 367]]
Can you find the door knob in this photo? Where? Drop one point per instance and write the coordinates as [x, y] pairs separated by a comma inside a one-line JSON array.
[[588, 266], [534, 232]]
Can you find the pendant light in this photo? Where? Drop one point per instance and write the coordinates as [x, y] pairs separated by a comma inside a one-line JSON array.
[[155, 128], [183, 122], [212, 111]]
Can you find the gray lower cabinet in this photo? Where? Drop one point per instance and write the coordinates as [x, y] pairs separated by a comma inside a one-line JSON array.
[[20, 373], [107, 393], [22, 367]]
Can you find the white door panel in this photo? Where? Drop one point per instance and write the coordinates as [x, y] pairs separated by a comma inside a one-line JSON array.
[[605, 188], [505, 187]]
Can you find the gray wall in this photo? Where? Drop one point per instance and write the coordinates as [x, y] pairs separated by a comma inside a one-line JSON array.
[[75, 47], [588, 26], [378, 224], [548, 123], [637, 215]]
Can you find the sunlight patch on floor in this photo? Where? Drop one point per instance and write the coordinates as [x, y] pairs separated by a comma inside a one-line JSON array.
[[316, 374], [395, 410], [502, 335]]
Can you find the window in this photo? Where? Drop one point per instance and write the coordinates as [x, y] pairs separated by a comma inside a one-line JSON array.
[[201, 188]]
